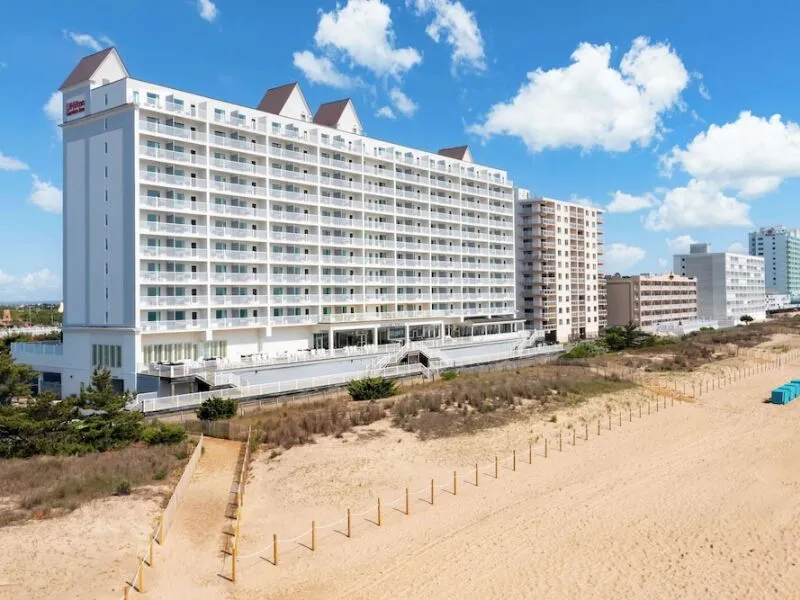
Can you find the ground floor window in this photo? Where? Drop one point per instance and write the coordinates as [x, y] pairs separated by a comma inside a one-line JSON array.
[[108, 356]]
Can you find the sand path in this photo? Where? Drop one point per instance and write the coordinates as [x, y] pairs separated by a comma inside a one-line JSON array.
[[698, 500], [192, 563]]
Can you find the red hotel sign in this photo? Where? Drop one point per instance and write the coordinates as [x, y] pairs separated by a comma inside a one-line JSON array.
[[75, 107]]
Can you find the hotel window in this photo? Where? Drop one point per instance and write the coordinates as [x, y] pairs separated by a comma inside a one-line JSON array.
[[106, 356]]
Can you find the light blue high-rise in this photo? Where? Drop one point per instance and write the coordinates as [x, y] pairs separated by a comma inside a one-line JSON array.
[[780, 248]]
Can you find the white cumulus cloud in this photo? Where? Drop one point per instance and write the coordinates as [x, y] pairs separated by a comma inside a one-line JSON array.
[[737, 248], [622, 202], [362, 32], [592, 104], [385, 112], [458, 27], [405, 105], [37, 285], [320, 69], [8, 163], [88, 41], [208, 10], [752, 155], [662, 263], [680, 244], [52, 108], [621, 257], [45, 195], [698, 204]]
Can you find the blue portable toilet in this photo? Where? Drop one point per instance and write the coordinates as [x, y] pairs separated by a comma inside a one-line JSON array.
[[781, 395]]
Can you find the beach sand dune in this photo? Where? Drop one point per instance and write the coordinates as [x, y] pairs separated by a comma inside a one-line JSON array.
[[697, 500]]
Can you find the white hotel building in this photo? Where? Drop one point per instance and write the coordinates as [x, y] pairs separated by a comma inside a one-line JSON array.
[[196, 228], [729, 285]]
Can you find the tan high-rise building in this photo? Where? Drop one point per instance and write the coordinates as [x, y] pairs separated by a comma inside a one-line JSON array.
[[560, 284], [647, 300]]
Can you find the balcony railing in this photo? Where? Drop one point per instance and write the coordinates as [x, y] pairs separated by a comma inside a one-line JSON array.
[[161, 301], [154, 326], [179, 132], [172, 180], [172, 156]]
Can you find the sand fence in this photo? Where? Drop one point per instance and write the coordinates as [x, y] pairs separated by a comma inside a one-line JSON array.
[[166, 518], [374, 514]]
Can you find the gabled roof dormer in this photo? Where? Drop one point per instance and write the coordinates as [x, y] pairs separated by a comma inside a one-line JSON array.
[[96, 69], [340, 114], [287, 101], [457, 152]]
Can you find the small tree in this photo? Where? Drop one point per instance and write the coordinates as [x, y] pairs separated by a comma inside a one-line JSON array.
[[371, 388], [746, 319], [216, 408], [15, 379]]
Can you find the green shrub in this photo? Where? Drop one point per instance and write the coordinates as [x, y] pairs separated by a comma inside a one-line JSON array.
[[123, 488], [163, 433], [214, 409], [371, 388], [586, 350], [448, 375]]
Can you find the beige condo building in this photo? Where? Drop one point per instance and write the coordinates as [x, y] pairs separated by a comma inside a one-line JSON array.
[[648, 300]]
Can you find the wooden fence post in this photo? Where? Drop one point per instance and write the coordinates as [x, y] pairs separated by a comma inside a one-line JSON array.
[[598, 426], [574, 436], [150, 558], [161, 529], [407, 503], [496, 468], [560, 449], [233, 563], [275, 541], [514, 460], [140, 577], [530, 452], [433, 487], [586, 426], [313, 536], [379, 512], [349, 524], [477, 481], [545, 447]]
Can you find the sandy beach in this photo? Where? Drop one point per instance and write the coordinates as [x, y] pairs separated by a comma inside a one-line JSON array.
[[699, 499]]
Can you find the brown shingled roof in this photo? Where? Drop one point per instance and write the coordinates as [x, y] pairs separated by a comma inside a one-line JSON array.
[[457, 152], [86, 68], [275, 98], [329, 113]]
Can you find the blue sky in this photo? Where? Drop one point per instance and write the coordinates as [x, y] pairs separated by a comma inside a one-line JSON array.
[[679, 117]]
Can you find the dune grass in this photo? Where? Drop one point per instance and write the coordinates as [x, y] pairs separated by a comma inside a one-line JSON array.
[[46, 486]]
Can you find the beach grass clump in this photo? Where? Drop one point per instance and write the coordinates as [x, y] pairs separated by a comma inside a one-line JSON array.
[[45, 486], [478, 401], [284, 426]]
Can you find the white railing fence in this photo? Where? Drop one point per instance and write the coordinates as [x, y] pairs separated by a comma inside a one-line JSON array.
[[149, 403]]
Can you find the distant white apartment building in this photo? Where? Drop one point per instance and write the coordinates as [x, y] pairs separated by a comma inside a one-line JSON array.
[[778, 301], [648, 300], [780, 248], [196, 228], [728, 285], [560, 284]]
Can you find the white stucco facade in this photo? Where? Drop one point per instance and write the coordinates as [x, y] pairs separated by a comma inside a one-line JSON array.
[[196, 228], [728, 285]]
